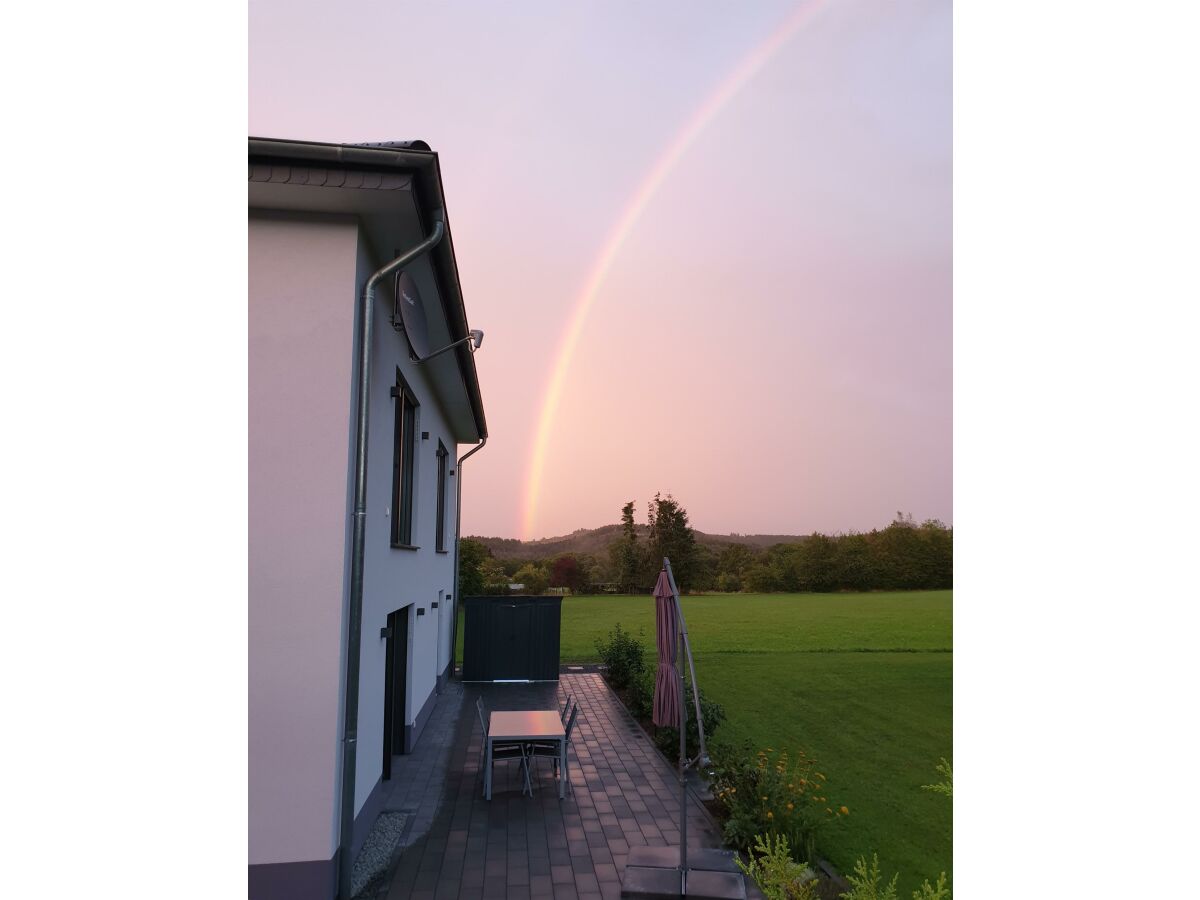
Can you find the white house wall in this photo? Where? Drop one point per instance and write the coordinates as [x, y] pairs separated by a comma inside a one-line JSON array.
[[306, 272], [395, 578], [301, 302]]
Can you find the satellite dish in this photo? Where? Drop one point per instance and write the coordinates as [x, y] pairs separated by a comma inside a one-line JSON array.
[[410, 315]]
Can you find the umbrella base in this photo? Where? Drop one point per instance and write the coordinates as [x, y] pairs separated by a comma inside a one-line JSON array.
[[668, 858], [652, 873]]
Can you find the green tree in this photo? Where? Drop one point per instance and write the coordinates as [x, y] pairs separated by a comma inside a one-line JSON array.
[[535, 578], [592, 569], [733, 566], [471, 555], [816, 563], [495, 579], [760, 579], [855, 566], [624, 551], [704, 568], [672, 537]]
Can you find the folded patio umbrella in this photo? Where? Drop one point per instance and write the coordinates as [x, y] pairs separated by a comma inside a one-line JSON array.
[[666, 680]]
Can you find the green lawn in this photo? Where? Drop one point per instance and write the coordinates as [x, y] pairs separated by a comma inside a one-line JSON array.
[[790, 673]]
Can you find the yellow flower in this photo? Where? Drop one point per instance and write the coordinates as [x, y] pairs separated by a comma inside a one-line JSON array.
[[828, 810], [793, 806], [845, 812], [764, 796], [770, 815]]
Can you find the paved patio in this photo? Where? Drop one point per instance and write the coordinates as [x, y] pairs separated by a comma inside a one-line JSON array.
[[461, 847]]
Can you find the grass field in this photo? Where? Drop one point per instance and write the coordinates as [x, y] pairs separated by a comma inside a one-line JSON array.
[[860, 681]]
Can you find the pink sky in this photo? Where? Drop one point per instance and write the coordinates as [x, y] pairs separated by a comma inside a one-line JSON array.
[[771, 341]]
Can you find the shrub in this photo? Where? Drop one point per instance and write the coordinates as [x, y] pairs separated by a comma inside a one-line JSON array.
[[535, 578], [624, 656], [928, 891], [866, 882], [943, 787], [770, 793], [640, 696], [713, 714], [777, 875]]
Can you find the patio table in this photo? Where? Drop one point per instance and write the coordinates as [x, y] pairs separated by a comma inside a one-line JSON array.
[[523, 726]]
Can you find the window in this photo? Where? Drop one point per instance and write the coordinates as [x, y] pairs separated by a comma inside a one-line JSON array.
[[441, 498], [404, 460]]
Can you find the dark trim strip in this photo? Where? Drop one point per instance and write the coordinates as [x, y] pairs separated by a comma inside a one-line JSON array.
[[308, 880]]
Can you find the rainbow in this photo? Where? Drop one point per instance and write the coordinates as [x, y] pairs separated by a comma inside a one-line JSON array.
[[745, 71]]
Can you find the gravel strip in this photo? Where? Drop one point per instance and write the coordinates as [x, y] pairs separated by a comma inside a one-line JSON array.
[[379, 847]]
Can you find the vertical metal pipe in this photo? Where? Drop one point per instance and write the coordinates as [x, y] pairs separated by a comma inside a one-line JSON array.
[[679, 627], [702, 759], [357, 552], [458, 537], [682, 772]]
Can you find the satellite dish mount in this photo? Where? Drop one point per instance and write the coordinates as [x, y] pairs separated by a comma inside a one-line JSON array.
[[408, 316]]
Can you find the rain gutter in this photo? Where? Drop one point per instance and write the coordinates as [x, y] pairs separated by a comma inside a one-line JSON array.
[[423, 164]]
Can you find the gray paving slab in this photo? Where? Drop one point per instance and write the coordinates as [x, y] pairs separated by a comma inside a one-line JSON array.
[[624, 794]]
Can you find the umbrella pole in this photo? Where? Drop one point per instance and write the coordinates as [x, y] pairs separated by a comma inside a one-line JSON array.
[[682, 765]]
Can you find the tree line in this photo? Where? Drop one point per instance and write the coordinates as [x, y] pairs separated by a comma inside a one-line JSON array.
[[905, 555]]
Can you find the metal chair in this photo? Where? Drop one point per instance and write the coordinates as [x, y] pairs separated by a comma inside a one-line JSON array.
[[549, 750], [501, 752], [566, 709]]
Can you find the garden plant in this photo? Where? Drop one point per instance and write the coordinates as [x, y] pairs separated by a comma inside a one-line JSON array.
[[777, 874], [773, 794]]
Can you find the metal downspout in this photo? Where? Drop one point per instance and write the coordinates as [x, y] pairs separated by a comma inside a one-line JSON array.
[[357, 550], [457, 538]]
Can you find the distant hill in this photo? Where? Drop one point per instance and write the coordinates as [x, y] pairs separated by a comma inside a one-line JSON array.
[[596, 540]]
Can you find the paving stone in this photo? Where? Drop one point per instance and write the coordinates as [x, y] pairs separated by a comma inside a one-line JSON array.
[[461, 847]]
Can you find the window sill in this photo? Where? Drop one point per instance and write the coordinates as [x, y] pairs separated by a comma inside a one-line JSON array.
[[404, 547], [443, 552]]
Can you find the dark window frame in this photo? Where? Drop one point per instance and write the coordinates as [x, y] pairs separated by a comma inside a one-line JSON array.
[[404, 463], [443, 466]]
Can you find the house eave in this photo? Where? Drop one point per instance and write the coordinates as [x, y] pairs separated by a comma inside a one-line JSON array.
[[425, 171]]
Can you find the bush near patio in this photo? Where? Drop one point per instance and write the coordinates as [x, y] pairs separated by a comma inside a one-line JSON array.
[[774, 794], [777, 874], [866, 883], [666, 739], [624, 658]]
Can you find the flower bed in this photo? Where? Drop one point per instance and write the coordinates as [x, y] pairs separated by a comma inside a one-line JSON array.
[[769, 805]]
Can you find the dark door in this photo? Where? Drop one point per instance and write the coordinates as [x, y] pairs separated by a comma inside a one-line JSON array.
[[514, 646], [395, 689]]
